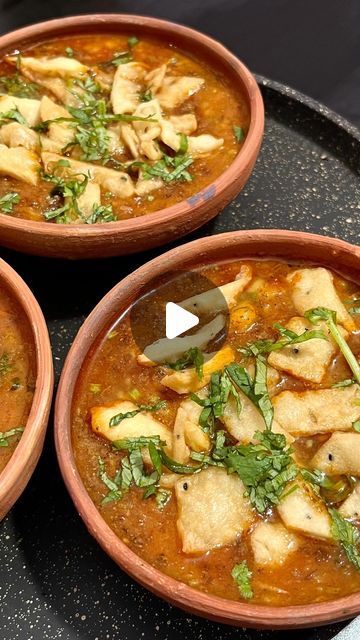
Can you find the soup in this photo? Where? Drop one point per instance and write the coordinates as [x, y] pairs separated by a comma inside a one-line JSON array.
[[233, 465], [103, 127], [17, 374]]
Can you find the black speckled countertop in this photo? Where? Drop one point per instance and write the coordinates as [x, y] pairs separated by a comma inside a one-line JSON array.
[[55, 582]]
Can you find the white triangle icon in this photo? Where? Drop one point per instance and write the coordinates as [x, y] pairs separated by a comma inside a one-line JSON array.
[[178, 320]]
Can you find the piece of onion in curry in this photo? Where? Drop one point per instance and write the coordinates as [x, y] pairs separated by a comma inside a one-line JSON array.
[[236, 470], [17, 374], [107, 127]]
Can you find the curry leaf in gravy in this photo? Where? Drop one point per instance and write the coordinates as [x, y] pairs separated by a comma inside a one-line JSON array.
[[348, 536], [321, 313], [192, 356], [5, 435], [8, 200], [255, 389], [242, 576], [115, 420]]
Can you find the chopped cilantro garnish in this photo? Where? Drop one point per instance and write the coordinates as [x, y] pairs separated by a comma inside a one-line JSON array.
[[348, 536], [146, 96], [133, 41], [321, 313], [255, 389], [192, 356], [13, 114], [287, 339], [238, 133], [69, 52], [8, 200], [5, 435], [70, 189], [242, 576], [5, 365], [115, 420], [101, 213], [221, 387]]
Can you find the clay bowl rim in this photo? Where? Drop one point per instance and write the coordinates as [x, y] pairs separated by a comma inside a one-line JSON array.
[[41, 30], [187, 256], [21, 463]]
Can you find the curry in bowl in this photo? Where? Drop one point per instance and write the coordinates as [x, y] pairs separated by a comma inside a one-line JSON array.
[[104, 127], [235, 470], [17, 374]]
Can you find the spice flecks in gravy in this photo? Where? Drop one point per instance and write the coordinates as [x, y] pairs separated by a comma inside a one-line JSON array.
[[300, 559], [117, 127]]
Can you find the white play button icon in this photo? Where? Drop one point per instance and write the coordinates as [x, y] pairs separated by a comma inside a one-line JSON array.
[[178, 320]]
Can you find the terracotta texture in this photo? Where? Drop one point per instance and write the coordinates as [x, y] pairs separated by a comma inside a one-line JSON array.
[[286, 245], [21, 465], [154, 229]]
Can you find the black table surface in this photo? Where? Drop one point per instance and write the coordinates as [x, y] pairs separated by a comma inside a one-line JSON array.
[[313, 46]]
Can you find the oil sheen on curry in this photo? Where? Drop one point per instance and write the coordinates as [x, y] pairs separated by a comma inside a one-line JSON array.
[[235, 470], [17, 375], [108, 127]]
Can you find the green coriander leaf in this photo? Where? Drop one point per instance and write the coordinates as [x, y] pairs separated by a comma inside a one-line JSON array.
[[256, 390], [321, 313], [343, 383], [265, 468], [176, 467], [13, 114], [5, 435], [288, 338], [133, 41], [5, 365], [8, 200], [348, 536], [115, 420], [242, 576], [238, 133], [101, 214], [69, 52], [192, 356], [121, 57], [162, 498], [356, 426], [146, 96], [128, 444], [16, 86]]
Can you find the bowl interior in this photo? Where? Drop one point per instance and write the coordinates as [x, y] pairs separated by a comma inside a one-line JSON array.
[[164, 223], [288, 246], [18, 470]]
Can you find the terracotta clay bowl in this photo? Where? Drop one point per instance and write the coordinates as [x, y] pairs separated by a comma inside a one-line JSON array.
[[165, 225], [286, 245], [21, 465]]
